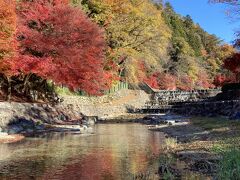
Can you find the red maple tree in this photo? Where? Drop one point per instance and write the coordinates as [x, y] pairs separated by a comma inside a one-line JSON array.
[[203, 80], [167, 81], [185, 83], [233, 64], [58, 42], [222, 79], [152, 80]]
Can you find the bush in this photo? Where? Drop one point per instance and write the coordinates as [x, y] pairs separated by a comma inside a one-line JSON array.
[[231, 87]]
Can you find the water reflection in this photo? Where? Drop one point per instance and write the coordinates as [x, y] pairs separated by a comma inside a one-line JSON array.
[[114, 152]]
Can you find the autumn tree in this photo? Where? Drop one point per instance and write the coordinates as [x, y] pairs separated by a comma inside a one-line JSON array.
[[7, 42], [135, 31], [167, 81], [222, 79], [7, 29], [153, 33], [232, 61], [59, 43], [233, 64]]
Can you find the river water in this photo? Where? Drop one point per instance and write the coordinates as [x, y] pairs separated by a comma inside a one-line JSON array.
[[113, 152], [119, 151]]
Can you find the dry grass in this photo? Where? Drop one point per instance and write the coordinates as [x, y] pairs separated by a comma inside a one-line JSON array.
[[171, 143]]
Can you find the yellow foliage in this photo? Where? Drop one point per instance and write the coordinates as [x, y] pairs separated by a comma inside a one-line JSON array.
[[193, 70], [134, 29]]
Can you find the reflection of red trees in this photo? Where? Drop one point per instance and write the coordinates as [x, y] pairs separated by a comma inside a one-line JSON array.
[[93, 166], [154, 142], [139, 163]]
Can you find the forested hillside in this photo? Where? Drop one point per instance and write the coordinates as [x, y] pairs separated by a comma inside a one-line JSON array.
[[90, 45], [149, 42]]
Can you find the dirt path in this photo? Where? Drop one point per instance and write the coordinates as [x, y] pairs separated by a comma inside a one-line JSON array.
[[124, 99]]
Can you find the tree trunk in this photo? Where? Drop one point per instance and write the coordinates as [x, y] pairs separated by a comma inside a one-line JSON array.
[[26, 83], [9, 89]]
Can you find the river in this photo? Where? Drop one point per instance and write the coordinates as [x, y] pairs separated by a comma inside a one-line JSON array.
[[113, 152]]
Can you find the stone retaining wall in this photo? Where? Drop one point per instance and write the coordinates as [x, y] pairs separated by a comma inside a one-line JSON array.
[[73, 108], [108, 107], [36, 113]]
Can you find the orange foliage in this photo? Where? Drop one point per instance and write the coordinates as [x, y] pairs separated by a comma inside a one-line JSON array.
[[8, 25], [167, 81], [7, 32], [203, 80], [185, 83], [152, 80]]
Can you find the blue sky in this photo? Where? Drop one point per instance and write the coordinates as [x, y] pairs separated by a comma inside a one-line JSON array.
[[212, 17]]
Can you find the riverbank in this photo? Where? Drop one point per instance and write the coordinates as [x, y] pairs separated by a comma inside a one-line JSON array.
[[32, 118], [227, 108], [203, 144]]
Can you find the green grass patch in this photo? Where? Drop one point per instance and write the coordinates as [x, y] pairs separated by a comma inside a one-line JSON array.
[[227, 143], [64, 91], [166, 161], [229, 166], [214, 123]]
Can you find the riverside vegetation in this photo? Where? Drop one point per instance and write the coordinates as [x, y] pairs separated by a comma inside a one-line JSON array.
[[127, 41], [207, 145]]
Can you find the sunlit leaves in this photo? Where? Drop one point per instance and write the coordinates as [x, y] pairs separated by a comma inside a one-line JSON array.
[[58, 42], [7, 28]]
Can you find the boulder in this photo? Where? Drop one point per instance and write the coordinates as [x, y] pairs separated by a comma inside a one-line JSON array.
[[15, 129]]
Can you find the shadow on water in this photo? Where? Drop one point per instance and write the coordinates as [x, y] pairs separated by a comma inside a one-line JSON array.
[[121, 151]]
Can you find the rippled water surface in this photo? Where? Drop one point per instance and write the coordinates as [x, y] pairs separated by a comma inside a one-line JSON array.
[[115, 152]]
